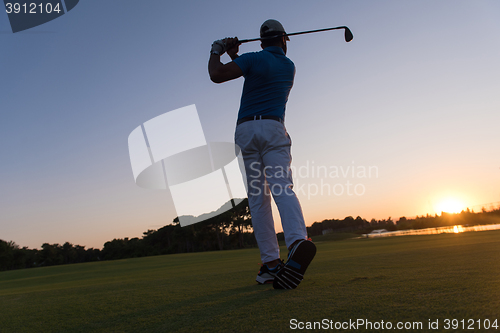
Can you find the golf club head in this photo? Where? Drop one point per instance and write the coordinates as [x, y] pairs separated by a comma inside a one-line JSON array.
[[348, 35]]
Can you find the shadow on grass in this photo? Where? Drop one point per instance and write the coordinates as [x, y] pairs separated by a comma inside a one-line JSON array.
[[189, 313], [203, 309]]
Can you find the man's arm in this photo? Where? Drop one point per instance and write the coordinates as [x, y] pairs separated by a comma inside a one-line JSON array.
[[220, 72]]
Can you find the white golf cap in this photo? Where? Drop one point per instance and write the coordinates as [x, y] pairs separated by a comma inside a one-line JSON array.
[[272, 28]]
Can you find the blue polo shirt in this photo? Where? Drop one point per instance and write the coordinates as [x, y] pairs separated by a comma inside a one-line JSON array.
[[268, 80]]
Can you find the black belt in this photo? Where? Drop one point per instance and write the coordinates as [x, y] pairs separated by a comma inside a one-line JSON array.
[[244, 119]]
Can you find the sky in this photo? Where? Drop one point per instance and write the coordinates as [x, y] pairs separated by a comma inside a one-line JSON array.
[[410, 105]]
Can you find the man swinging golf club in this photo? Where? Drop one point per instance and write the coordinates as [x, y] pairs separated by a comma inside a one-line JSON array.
[[265, 145]]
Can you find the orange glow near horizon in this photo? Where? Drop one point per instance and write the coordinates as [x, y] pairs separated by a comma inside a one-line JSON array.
[[450, 205]]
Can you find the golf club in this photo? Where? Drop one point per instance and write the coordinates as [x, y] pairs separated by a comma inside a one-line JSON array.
[[347, 34]]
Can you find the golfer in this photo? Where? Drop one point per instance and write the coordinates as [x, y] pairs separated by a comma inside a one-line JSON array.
[[265, 145]]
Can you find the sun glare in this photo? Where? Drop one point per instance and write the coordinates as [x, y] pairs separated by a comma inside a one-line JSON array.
[[450, 205]]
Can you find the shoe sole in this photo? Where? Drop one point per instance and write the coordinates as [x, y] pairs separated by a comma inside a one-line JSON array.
[[263, 280], [292, 273]]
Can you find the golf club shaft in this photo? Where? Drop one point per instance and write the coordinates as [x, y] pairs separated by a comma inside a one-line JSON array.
[[293, 34]]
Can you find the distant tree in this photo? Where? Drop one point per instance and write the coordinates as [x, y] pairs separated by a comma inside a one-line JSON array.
[[68, 253], [241, 222], [6, 254], [51, 255]]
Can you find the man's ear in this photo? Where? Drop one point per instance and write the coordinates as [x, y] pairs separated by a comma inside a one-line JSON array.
[[283, 45], [262, 46]]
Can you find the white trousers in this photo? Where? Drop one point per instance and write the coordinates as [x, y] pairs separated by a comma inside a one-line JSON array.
[[265, 146]]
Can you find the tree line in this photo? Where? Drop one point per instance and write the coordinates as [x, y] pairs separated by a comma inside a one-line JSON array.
[[14, 257], [230, 230], [361, 226]]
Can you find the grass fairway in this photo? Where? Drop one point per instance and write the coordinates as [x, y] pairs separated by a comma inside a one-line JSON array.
[[411, 278]]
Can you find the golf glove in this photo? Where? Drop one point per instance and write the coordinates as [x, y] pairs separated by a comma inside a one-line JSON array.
[[218, 47]]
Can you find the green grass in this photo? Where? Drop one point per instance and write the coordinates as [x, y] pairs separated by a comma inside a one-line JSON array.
[[412, 278]]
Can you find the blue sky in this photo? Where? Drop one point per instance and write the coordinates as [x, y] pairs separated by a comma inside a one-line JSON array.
[[414, 94]]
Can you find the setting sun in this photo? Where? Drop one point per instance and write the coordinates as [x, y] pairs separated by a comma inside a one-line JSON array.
[[450, 205]]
